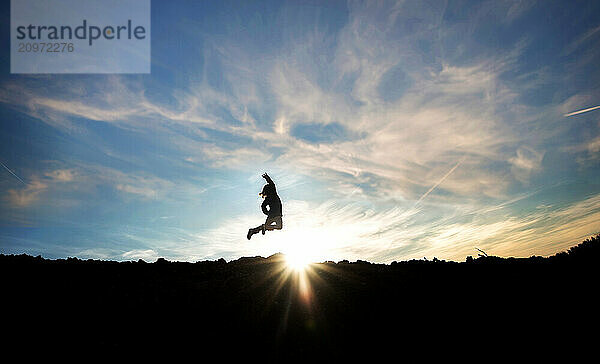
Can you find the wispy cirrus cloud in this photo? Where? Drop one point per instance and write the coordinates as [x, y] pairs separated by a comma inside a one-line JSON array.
[[442, 116], [36, 186], [27, 195], [62, 175]]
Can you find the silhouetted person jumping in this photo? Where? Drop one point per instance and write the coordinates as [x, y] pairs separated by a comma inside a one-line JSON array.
[[271, 207]]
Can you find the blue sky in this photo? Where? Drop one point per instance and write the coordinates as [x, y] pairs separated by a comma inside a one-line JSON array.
[[394, 130]]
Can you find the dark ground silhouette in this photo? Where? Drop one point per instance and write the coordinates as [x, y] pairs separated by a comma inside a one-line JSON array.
[[247, 309]]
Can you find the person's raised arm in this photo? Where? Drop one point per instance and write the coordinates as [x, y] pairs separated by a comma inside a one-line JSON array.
[[269, 180]]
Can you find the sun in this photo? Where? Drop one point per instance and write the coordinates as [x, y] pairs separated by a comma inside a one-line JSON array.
[[303, 248], [297, 260]]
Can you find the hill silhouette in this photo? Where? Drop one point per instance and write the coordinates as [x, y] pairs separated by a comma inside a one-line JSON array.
[[257, 309]]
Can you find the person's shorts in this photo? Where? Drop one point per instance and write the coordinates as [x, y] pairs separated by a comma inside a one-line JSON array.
[[274, 222]]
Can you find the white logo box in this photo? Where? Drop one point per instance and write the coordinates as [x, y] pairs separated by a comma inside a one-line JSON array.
[[80, 36]]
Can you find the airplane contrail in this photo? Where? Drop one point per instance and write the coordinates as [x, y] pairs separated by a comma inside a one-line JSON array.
[[13, 173], [414, 208], [582, 111], [440, 181]]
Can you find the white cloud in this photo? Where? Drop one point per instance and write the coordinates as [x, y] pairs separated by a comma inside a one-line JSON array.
[[62, 175], [593, 146], [36, 186], [143, 191], [24, 197], [237, 158], [138, 184], [80, 109], [526, 162], [148, 255]]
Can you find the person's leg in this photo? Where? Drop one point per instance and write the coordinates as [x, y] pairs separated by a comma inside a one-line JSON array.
[[274, 223], [271, 223], [278, 223], [265, 226], [255, 230]]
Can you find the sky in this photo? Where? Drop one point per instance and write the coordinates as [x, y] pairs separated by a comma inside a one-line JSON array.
[[393, 130]]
